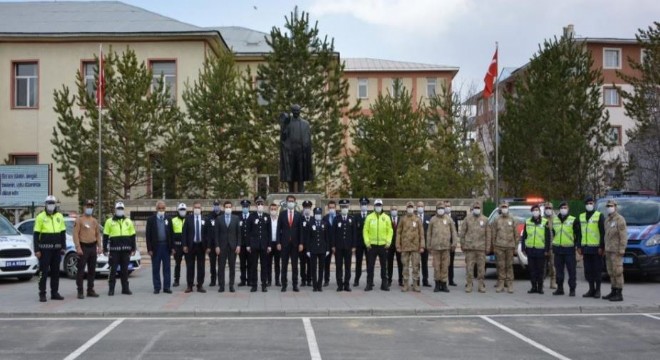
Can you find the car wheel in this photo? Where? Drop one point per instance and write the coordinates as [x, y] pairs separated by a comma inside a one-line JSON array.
[[25, 278], [71, 265]]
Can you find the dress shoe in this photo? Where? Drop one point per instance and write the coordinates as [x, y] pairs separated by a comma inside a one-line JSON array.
[[126, 292], [253, 289], [571, 293], [81, 295], [42, 298], [284, 288], [384, 287], [212, 283], [176, 283], [241, 284], [426, 283], [264, 288], [56, 296], [452, 283], [221, 289], [326, 283], [340, 288], [231, 288], [277, 283], [320, 288], [111, 292], [303, 284], [167, 291], [188, 290], [156, 291], [347, 288], [356, 283], [201, 289], [369, 288], [295, 288]]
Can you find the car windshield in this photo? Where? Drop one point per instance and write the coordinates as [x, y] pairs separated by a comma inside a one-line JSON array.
[[69, 227], [637, 212], [6, 228]]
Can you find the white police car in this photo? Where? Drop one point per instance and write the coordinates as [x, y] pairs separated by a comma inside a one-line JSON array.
[[69, 264], [16, 256]]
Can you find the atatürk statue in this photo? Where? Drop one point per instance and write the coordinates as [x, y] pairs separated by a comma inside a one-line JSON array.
[[295, 151]]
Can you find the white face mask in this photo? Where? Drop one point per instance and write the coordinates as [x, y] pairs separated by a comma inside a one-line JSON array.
[[197, 211], [611, 210], [318, 217], [536, 213], [332, 212], [393, 213], [89, 211], [227, 211], [363, 208], [119, 212], [260, 208], [548, 212], [161, 213], [410, 211], [307, 212], [344, 211], [589, 207], [420, 210], [273, 213], [504, 210], [378, 209], [291, 205], [476, 212], [50, 207], [563, 212], [182, 213], [448, 210], [440, 211]]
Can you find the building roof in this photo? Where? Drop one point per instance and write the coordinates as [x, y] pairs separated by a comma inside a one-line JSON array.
[[368, 64], [243, 40], [592, 40]]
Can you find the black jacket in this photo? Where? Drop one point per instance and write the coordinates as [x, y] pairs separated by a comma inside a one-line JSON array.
[[344, 233], [227, 238], [289, 234], [208, 232], [259, 231], [151, 236], [316, 238], [189, 231]]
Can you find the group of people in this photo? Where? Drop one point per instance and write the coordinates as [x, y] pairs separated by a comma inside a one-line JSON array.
[[266, 240]]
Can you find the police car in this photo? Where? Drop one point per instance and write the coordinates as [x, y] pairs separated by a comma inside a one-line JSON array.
[[642, 214], [16, 256], [69, 264]]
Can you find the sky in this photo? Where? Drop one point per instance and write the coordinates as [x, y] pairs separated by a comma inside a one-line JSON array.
[[458, 33]]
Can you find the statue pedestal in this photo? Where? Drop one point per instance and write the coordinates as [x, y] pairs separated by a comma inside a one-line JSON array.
[[280, 199]]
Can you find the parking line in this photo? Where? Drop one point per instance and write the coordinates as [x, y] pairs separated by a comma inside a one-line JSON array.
[[652, 316], [311, 339], [525, 339], [94, 340]]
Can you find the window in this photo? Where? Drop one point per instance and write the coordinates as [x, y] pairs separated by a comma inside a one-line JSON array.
[[642, 56], [431, 86], [24, 159], [611, 97], [89, 71], [612, 58], [363, 85], [26, 84], [166, 69], [615, 134]]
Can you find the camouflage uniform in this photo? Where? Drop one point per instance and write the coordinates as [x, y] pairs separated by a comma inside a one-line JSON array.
[[505, 238], [409, 242], [475, 242], [616, 240], [442, 238]]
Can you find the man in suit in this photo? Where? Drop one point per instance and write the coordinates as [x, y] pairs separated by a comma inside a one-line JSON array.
[[160, 246], [343, 244], [227, 244], [316, 244], [244, 257], [209, 225], [259, 235], [330, 220], [360, 248], [194, 248], [289, 241], [274, 256], [307, 218], [425, 255], [391, 252]]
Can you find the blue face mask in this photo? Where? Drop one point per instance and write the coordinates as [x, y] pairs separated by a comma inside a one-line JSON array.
[[89, 211], [245, 210]]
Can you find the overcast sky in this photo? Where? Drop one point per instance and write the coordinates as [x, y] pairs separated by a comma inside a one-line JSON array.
[[446, 32]]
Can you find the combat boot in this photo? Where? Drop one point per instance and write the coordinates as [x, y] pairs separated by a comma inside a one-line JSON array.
[[482, 286], [111, 289], [405, 288], [608, 296], [597, 292], [92, 293], [437, 286], [468, 288], [560, 290], [618, 296], [589, 293], [539, 288], [80, 294], [416, 288], [553, 283], [56, 296], [443, 287], [500, 286], [509, 287]]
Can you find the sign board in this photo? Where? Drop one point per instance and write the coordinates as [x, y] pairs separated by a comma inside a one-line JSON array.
[[22, 185]]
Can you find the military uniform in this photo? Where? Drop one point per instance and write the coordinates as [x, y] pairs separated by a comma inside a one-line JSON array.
[[243, 255], [475, 242], [119, 239], [176, 233], [317, 246], [259, 237], [410, 242], [535, 243], [504, 243], [441, 238], [343, 244], [360, 248], [49, 240], [616, 240]]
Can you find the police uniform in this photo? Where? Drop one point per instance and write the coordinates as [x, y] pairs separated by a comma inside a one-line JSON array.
[[377, 234], [49, 240], [330, 219], [176, 234], [591, 243], [343, 244], [305, 224], [410, 242], [258, 244], [317, 248], [119, 240], [209, 226], [360, 248], [475, 242], [616, 240], [244, 256], [535, 243], [564, 229]]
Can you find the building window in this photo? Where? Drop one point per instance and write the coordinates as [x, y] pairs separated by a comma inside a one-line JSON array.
[[166, 69], [363, 85], [89, 72], [26, 84], [615, 135], [24, 159], [611, 97], [431, 86], [612, 58]]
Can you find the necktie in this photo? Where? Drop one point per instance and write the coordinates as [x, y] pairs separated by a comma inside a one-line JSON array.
[[197, 232], [290, 218]]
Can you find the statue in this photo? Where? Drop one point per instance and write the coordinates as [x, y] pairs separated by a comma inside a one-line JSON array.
[[295, 151]]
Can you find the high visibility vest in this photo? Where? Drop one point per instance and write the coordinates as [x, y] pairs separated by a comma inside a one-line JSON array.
[[535, 234], [589, 229], [116, 228], [564, 235], [49, 224], [177, 224]]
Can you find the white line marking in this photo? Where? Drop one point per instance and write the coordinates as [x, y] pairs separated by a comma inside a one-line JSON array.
[[94, 340], [652, 316], [525, 339], [150, 344], [311, 339]]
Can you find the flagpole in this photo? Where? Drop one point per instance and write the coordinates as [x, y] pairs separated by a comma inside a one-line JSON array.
[[497, 135], [99, 100]]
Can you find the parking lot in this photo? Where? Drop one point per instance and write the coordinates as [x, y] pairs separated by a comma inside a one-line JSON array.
[[568, 336]]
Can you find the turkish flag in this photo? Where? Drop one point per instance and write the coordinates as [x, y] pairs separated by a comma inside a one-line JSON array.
[[100, 88], [489, 79]]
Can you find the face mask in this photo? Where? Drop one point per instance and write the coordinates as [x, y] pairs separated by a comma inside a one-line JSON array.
[[378, 209], [504, 210], [440, 211], [182, 213], [536, 213], [363, 208], [245, 210], [273, 213], [563, 212], [119, 213], [197, 211], [393, 213], [476, 212], [318, 217], [410, 211], [448, 210], [610, 210], [291, 205], [260, 208], [420, 210], [227, 211], [50, 207], [89, 211], [548, 212], [161, 213], [216, 209], [332, 212], [589, 208], [307, 212], [344, 211]]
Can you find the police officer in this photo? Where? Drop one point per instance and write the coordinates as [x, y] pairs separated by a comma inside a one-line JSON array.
[[89, 243], [591, 245], [425, 255], [176, 234], [195, 248], [244, 256], [360, 247], [209, 225], [307, 218], [409, 245], [343, 245], [392, 252], [49, 242], [616, 240], [549, 215], [442, 238], [475, 242], [504, 245], [317, 247], [329, 219], [258, 246], [119, 240], [565, 228], [377, 234], [535, 243]]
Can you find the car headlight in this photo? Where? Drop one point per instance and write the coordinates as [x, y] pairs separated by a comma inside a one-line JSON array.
[[653, 241]]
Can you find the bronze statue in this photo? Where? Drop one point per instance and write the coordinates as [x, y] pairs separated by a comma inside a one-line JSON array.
[[295, 150]]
